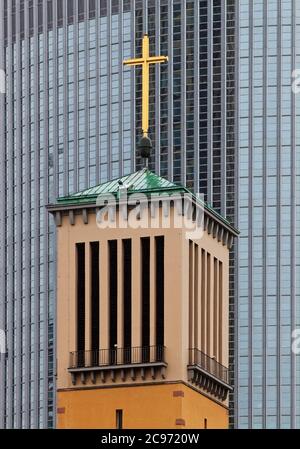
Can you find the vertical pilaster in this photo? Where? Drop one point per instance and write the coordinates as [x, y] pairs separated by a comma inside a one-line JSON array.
[[223, 315], [71, 293], [191, 294], [199, 299], [203, 300], [196, 295], [136, 293], [209, 285], [215, 351], [104, 315]]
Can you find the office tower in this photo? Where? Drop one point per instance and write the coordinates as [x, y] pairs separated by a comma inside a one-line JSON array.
[[68, 121], [61, 105], [143, 302], [267, 372]]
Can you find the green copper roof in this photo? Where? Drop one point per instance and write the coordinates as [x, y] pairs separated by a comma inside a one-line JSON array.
[[142, 181]]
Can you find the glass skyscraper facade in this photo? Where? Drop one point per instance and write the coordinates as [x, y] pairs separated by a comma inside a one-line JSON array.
[[223, 121], [67, 96], [70, 119], [267, 288]]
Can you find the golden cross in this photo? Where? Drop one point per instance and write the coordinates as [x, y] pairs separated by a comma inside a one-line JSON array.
[[145, 62]]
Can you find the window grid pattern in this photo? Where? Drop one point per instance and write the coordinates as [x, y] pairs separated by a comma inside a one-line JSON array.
[[68, 101], [268, 378], [72, 127]]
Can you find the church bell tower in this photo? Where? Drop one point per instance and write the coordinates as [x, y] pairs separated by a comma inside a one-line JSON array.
[[142, 302]]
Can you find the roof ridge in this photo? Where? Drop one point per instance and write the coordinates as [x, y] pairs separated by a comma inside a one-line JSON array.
[[133, 177], [141, 181]]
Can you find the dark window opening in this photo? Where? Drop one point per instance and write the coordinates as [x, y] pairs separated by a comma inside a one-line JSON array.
[[50, 14], [80, 10], [205, 423], [208, 305], [191, 247], [126, 5], [95, 301], [115, 7], [145, 260], [103, 8], [80, 249], [40, 16], [70, 11], [60, 12], [159, 281], [13, 20], [5, 22], [127, 292], [119, 419], [113, 299], [22, 20], [92, 9]]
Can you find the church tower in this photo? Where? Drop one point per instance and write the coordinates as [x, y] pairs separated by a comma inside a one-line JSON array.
[[142, 302], [142, 307]]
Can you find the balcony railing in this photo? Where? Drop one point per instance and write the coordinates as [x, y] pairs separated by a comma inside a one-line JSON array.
[[208, 364], [117, 357]]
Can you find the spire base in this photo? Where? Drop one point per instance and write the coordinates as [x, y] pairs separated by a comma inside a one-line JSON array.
[[145, 146]]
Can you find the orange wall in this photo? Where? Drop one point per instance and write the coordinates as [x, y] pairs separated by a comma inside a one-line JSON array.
[[150, 407], [196, 407]]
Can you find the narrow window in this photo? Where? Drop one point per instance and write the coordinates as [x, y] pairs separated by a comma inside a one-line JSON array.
[[60, 12], [160, 295], [191, 292], [119, 419], [126, 5], [103, 8], [127, 291], [208, 306], [205, 423], [80, 249], [80, 10], [145, 261], [220, 355], [50, 14], [22, 19], [196, 305], [31, 17], [115, 7], [70, 11], [215, 309], [13, 20], [95, 301], [203, 299], [40, 16], [5, 22], [113, 297], [92, 9]]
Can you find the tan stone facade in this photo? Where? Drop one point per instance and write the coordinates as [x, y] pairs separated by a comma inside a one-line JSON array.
[[195, 325]]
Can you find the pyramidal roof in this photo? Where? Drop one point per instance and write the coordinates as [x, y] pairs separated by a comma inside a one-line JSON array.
[[142, 181]]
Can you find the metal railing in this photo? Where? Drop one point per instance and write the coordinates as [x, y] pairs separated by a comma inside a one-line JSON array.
[[208, 364], [117, 356]]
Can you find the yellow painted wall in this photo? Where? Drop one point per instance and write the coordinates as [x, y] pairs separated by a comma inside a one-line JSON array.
[[150, 407], [196, 407]]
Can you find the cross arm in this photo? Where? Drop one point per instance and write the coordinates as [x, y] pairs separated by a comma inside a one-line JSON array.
[[135, 61], [155, 59]]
